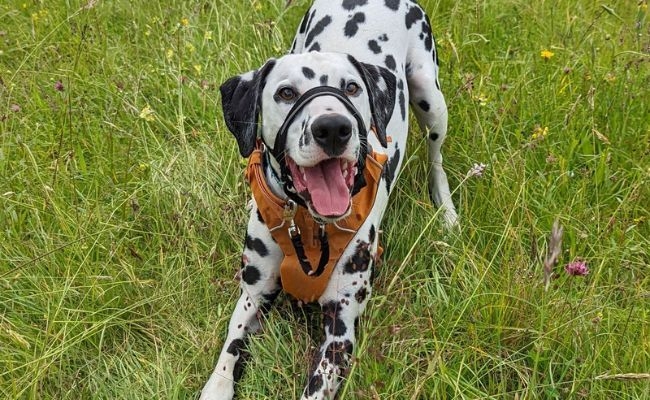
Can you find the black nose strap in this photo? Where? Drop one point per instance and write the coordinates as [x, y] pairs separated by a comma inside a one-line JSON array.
[[279, 147], [281, 139]]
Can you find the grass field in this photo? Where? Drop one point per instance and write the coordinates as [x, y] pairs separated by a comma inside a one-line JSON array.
[[122, 206]]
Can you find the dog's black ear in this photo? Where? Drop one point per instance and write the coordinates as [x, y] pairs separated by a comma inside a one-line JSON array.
[[241, 102], [381, 91]]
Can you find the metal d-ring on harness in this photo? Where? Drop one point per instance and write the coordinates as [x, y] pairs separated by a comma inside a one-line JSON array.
[[291, 206]]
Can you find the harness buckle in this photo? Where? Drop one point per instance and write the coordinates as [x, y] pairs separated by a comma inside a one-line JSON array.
[[289, 212], [293, 230]]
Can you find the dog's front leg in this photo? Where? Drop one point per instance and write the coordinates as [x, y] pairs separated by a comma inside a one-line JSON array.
[[341, 304], [260, 271]]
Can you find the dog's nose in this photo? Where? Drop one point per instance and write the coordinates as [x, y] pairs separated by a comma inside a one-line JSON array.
[[332, 133]]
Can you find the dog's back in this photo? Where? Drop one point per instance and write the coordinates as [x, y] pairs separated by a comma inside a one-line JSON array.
[[373, 31]]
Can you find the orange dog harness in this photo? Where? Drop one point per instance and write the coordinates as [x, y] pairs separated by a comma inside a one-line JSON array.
[[286, 220]]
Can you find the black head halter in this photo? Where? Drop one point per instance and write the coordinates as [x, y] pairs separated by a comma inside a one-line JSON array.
[[279, 147]]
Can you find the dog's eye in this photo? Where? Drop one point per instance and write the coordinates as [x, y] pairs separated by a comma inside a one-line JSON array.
[[352, 89], [286, 93]]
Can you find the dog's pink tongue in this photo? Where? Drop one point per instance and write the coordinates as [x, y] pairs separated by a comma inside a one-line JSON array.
[[330, 195]]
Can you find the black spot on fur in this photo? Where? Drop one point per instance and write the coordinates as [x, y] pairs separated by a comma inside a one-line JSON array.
[[352, 4], [390, 168], [315, 384], [238, 369], [352, 26], [435, 53], [315, 47], [318, 29], [257, 245], [235, 347], [323, 80], [424, 105], [332, 320], [250, 274], [392, 4], [402, 99], [426, 31], [361, 295], [338, 353], [412, 16], [360, 260], [433, 136], [259, 216], [306, 20], [308, 72], [373, 274], [268, 299], [390, 62], [372, 234], [374, 46], [383, 37]]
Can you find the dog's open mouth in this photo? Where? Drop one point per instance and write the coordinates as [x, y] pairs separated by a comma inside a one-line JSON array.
[[325, 187]]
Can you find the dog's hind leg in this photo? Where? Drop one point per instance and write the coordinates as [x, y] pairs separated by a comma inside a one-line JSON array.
[[260, 285], [430, 108]]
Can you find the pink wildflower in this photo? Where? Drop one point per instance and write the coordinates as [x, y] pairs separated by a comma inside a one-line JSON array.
[[577, 268], [476, 170], [58, 86]]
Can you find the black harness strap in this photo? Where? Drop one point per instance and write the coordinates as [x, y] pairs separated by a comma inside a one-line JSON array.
[[296, 239]]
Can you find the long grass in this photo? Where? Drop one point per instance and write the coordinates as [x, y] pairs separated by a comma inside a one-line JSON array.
[[122, 207]]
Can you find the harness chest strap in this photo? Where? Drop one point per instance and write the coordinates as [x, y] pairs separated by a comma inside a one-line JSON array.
[[295, 281]]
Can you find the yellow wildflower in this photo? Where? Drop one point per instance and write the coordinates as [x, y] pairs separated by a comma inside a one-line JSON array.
[[169, 54], [481, 99], [539, 133], [189, 47], [185, 21], [207, 35], [546, 54], [147, 113], [198, 68]]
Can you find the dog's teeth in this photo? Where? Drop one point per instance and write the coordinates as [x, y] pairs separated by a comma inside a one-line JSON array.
[[344, 165], [345, 173]]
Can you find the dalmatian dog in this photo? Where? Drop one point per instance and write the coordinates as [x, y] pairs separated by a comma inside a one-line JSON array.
[[379, 56]]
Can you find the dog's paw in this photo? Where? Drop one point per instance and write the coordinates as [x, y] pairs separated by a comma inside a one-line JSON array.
[[451, 220], [218, 388]]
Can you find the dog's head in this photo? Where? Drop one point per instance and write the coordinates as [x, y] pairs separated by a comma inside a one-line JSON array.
[[318, 142]]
